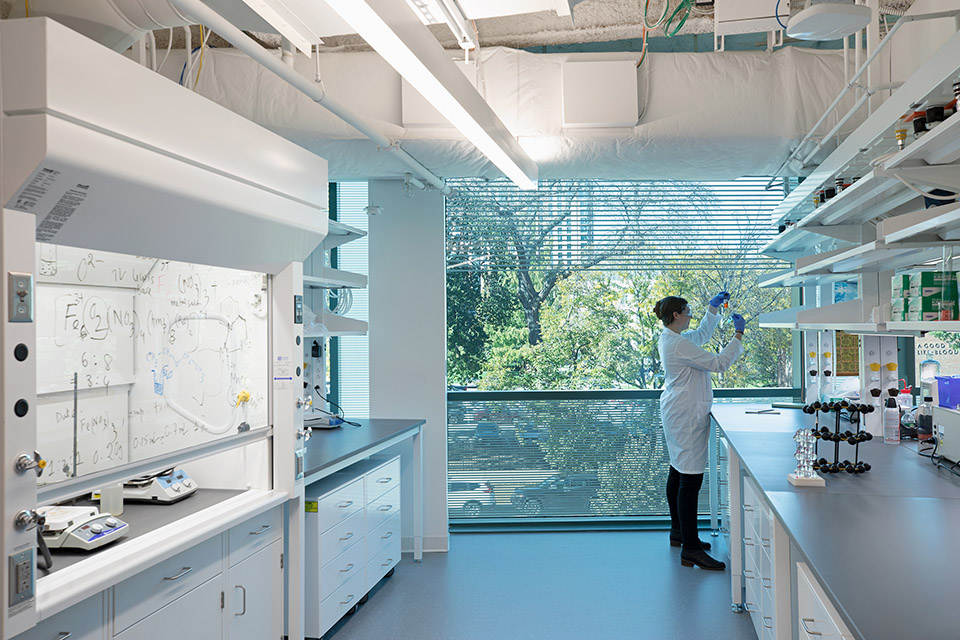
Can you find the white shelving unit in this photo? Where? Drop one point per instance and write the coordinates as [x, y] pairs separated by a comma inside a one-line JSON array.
[[318, 278], [878, 224]]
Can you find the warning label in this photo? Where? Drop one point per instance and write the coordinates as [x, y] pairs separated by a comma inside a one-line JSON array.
[[61, 212], [30, 196], [40, 197]]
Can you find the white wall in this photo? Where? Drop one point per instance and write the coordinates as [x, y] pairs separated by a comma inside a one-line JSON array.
[[408, 333]]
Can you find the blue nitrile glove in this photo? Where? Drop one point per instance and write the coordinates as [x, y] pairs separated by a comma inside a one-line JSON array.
[[739, 322], [719, 299]]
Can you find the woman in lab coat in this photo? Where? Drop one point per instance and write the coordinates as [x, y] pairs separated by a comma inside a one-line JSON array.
[[684, 411]]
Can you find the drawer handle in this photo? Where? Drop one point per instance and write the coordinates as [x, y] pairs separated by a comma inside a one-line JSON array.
[[348, 569], [384, 480], [748, 541], [261, 530], [344, 505], [803, 621], [387, 563], [764, 581], [748, 507], [348, 600], [768, 626], [348, 536], [752, 608], [64, 635], [385, 507], [182, 573], [389, 535], [748, 573], [244, 589], [765, 542]]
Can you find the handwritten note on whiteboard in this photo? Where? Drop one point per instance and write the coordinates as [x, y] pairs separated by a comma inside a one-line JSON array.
[[163, 353]]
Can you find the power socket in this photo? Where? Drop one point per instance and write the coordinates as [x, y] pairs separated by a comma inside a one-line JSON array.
[[21, 577]]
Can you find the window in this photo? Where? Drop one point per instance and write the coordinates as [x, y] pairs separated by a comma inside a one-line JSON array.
[[552, 342]]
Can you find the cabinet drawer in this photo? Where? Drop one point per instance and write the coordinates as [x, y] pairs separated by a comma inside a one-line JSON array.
[[82, 621], [383, 508], [194, 615], [378, 539], [340, 601], [340, 504], [150, 590], [816, 616], [383, 562], [341, 537], [256, 533], [341, 569], [382, 479]]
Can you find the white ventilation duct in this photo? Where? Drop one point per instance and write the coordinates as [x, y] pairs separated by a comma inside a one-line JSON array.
[[708, 115]]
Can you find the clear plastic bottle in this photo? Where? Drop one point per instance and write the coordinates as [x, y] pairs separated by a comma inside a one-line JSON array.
[[925, 419], [891, 422]]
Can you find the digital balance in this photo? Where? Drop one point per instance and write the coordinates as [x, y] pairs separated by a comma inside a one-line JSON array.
[[165, 487], [79, 527]]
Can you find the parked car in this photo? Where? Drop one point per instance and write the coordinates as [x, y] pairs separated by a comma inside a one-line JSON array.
[[470, 498], [559, 494]]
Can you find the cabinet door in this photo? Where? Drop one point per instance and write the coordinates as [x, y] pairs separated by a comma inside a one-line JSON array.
[[193, 615], [255, 588], [83, 621]]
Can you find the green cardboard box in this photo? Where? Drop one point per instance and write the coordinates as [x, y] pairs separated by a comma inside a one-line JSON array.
[[900, 286], [925, 283]]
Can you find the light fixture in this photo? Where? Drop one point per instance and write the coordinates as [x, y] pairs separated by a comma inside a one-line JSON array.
[[394, 31], [373, 210], [828, 21], [286, 23], [445, 11]]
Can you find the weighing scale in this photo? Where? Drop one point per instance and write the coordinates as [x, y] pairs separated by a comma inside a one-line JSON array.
[[165, 487], [82, 528]]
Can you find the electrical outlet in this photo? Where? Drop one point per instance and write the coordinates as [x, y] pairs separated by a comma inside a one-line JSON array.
[[21, 577]]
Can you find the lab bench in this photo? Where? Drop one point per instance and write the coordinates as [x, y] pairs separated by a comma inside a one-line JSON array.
[[877, 547]]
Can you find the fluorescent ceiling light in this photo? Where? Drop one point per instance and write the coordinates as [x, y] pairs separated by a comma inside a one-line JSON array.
[[285, 22], [423, 68], [828, 21], [445, 11]]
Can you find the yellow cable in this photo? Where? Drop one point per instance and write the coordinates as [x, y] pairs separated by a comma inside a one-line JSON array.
[[26, 4], [197, 81]]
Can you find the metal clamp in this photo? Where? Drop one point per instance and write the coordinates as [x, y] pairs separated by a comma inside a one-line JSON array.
[[804, 621], [244, 589], [261, 530], [304, 401], [182, 573]]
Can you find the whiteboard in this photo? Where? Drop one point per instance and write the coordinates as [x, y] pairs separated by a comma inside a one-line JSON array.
[[102, 433], [83, 330], [163, 351]]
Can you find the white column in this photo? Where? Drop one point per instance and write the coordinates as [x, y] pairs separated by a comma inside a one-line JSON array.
[[408, 338]]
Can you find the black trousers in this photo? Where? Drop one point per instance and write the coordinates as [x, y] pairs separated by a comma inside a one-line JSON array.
[[683, 491]]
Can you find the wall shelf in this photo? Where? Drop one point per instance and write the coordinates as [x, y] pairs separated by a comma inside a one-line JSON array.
[[953, 326], [339, 233], [339, 326], [329, 278]]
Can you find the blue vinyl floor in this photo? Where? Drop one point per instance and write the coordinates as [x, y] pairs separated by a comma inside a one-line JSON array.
[[583, 585]]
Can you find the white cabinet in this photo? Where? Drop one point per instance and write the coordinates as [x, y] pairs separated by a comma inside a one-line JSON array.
[[766, 574], [352, 538], [196, 614], [255, 588], [817, 619], [83, 621]]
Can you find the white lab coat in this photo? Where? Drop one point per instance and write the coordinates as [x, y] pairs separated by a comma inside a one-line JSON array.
[[687, 396]]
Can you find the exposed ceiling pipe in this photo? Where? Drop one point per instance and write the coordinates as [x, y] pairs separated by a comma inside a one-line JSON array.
[[202, 14]]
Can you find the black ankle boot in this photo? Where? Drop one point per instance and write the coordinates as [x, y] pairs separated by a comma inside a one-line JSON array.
[[700, 558], [675, 542]]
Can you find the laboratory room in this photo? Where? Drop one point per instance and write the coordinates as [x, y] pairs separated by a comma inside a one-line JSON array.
[[476, 319]]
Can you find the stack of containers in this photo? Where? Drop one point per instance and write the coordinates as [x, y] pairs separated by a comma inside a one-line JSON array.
[[924, 296]]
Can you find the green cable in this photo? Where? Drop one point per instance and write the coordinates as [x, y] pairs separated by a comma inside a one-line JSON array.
[[646, 7], [683, 4]]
